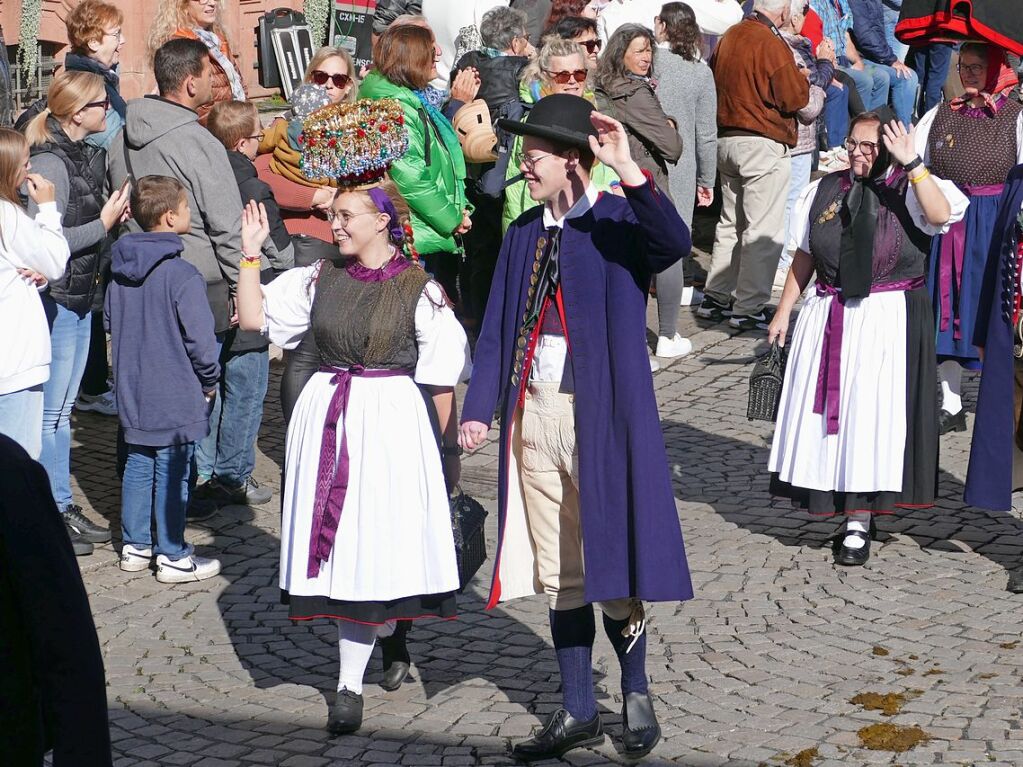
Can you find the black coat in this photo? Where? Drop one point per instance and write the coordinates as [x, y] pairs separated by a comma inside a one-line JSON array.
[[52, 684]]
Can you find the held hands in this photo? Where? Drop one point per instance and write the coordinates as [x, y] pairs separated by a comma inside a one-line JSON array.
[[115, 210], [611, 147], [472, 434], [901, 143], [255, 228], [39, 189]]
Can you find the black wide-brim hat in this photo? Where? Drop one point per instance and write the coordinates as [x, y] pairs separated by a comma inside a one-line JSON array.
[[560, 118]]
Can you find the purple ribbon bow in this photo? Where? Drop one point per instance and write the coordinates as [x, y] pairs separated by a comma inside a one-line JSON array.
[[331, 485], [829, 374]]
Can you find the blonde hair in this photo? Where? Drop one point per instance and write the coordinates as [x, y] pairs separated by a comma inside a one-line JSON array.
[[68, 94], [232, 121], [551, 47], [12, 150], [172, 15], [330, 52]]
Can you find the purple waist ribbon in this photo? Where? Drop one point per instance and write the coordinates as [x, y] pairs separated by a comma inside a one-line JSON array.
[[331, 485], [829, 375], [950, 262]]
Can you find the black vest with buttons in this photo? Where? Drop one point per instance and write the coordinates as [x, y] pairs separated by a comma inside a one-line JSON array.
[[81, 287]]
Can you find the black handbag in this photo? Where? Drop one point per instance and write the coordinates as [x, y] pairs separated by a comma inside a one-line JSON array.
[[765, 384], [467, 518]]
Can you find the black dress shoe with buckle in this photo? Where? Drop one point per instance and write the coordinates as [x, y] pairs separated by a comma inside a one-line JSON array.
[[853, 557], [640, 731], [346, 714], [561, 734], [948, 422], [395, 657]]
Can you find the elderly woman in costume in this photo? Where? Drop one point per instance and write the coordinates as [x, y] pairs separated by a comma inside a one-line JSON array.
[[857, 423], [974, 141], [587, 513], [366, 533]]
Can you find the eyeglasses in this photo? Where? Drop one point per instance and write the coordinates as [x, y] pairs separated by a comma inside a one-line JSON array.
[[591, 46], [561, 78], [118, 34], [344, 216], [865, 147], [973, 69], [105, 103], [529, 163], [205, 2], [340, 81], [259, 136]]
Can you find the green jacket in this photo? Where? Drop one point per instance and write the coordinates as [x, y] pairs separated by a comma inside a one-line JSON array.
[[435, 192], [516, 197]]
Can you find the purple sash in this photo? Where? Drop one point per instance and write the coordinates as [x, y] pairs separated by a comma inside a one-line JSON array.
[[331, 485], [829, 375], [950, 261]]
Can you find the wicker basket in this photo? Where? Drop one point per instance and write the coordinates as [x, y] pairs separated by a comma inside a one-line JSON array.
[[765, 385], [467, 518]]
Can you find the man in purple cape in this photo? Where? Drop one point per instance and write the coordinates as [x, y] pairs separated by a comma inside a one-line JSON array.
[[583, 467]]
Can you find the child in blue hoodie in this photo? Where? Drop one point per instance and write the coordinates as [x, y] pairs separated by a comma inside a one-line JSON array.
[[166, 371]]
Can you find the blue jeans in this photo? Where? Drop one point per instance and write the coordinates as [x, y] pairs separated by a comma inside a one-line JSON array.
[[156, 486], [802, 165], [891, 18], [836, 115], [931, 63], [21, 418], [229, 451], [903, 91], [69, 349], [872, 83]]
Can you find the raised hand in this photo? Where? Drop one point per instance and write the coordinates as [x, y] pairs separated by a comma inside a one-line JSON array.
[[255, 228], [901, 143], [611, 147]]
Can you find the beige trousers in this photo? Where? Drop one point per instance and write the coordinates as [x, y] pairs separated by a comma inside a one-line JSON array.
[[750, 233], [545, 448]]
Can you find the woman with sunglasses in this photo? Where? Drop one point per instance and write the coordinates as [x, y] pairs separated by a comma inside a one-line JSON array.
[[974, 141], [559, 67], [857, 425], [583, 31], [201, 20], [77, 106]]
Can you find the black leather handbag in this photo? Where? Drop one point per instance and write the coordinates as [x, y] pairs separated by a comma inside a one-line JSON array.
[[467, 518], [765, 384]]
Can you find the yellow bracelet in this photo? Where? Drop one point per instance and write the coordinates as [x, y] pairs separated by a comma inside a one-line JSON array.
[[249, 264], [921, 177]]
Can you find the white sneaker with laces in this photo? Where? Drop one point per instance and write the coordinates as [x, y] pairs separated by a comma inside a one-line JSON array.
[[104, 404], [186, 569], [673, 347], [135, 559], [691, 296]]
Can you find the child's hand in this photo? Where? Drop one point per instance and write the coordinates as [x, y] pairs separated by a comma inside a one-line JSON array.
[[255, 228]]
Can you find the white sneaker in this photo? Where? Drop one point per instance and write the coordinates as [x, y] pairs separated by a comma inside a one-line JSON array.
[[654, 365], [673, 347], [134, 559], [104, 404], [691, 296], [186, 570]]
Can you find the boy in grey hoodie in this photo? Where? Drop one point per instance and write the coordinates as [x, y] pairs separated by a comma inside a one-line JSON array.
[[166, 372]]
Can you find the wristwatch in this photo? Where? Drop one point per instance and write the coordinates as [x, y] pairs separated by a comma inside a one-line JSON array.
[[913, 164]]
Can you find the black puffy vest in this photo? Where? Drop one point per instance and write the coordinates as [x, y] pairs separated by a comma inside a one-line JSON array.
[[81, 287]]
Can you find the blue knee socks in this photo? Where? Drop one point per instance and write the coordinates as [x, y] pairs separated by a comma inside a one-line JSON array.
[[573, 632], [633, 662]]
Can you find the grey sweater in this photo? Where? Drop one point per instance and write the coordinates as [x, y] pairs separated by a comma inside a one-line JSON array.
[[53, 169], [165, 138], [687, 95]]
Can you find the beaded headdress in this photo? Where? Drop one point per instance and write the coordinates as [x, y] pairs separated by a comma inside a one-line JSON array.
[[353, 144]]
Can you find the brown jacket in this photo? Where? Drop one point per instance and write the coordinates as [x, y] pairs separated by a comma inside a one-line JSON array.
[[221, 85], [759, 87]]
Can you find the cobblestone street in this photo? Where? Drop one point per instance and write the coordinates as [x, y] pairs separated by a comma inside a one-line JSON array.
[[759, 668]]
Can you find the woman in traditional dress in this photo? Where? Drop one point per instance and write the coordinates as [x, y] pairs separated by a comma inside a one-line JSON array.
[[366, 533], [974, 141], [857, 423]]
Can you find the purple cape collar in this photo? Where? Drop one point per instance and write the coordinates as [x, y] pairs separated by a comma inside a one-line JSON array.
[[392, 268]]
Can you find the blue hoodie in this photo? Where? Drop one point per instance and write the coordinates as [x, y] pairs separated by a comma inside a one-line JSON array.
[[164, 349]]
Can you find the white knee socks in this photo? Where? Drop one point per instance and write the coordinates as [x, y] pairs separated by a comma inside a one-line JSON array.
[[857, 521], [951, 377], [355, 645]]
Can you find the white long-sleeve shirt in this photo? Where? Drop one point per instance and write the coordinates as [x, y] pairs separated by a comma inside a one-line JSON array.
[[714, 17], [39, 245]]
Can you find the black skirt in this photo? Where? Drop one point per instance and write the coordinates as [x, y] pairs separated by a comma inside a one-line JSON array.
[[303, 608], [920, 458]]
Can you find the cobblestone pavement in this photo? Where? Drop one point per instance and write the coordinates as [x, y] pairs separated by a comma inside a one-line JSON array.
[[759, 667]]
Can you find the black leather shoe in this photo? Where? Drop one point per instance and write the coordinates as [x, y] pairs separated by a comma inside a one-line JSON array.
[[346, 714], [640, 731], [86, 528], [395, 657], [948, 422], [81, 547], [561, 734], [853, 557]]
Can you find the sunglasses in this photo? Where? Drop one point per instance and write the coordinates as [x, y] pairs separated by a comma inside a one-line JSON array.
[[340, 81], [592, 46], [579, 75], [105, 103]]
